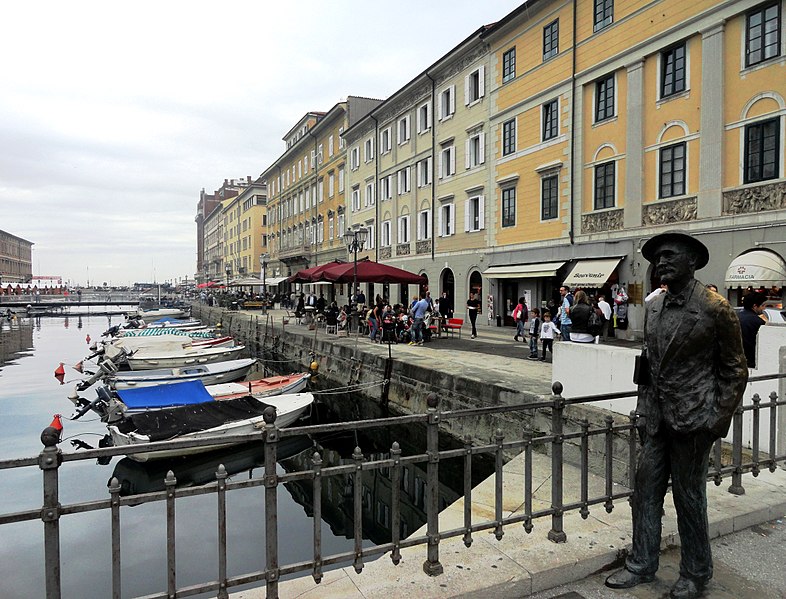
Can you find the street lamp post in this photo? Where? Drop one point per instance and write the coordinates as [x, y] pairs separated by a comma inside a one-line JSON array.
[[355, 239], [228, 271], [263, 258]]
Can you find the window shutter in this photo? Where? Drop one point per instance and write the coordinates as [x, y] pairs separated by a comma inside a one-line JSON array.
[[429, 110], [467, 204], [409, 178], [419, 172], [429, 162], [482, 148], [452, 219], [466, 90], [439, 106], [481, 212], [452, 99], [409, 130], [420, 227], [481, 81], [452, 160], [466, 153], [440, 221], [441, 165]]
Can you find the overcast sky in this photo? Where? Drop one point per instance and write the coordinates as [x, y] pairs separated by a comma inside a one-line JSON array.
[[113, 116]]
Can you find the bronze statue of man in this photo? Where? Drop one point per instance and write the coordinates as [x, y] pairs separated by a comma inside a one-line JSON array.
[[693, 379]]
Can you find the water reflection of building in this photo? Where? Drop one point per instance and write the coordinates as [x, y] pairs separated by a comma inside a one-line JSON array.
[[15, 339], [376, 495]]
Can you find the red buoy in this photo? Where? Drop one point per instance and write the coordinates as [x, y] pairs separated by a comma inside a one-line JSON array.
[[87, 339], [56, 422], [59, 369]]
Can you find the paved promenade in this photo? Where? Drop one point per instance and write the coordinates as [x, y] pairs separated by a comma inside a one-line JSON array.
[[529, 565]]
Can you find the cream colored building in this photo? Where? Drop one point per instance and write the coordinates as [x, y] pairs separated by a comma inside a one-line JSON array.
[[244, 219]]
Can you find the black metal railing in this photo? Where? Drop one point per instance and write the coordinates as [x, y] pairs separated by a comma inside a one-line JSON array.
[[588, 439]]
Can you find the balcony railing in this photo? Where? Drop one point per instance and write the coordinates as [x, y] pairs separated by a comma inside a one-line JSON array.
[[586, 440]]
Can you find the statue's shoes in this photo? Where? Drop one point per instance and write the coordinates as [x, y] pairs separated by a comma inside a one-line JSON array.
[[625, 579], [687, 588]]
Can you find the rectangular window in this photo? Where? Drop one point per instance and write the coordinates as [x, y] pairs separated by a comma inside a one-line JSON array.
[[604, 99], [371, 239], [509, 65], [447, 103], [331, 228], [474, 86], [385, 234], [403, 130], [341, 179], [672, 78], [385, 141], [763, 33], [330, 146], [369, 200], [424, 225], [341, 143], [356, 198], [340, 230], [403, 229], [762, 156], [424, 118], [548, 198], [447, 220], [386, 185], [331, 184], [447, 162], [403, 181], [424, 172], [509, 207], [551, 40], [672, 171], [354, 158], [368, 150], [550, 120], [508, 137], [604, 14], [604, 186], [474, 214], [475, 150]]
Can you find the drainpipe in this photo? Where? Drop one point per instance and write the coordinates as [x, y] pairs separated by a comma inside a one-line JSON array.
[[376, 186], [316, 199], [433, 161], [572, 122]]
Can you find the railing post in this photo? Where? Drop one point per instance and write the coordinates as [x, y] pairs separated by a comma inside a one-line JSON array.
[[736, 487], [467, 490], [271, 503], [49, 461], [114, 492], [171, 561], [609, 504], [395, 501], [633, 449], [528, 480], [357, 503], [432, 565], [556, 534], [584, 511], [773, 429], [756, 432], [316, 464], [221, 490], [498, 466]]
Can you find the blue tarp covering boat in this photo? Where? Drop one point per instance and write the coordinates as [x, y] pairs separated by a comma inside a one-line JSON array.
[[164, 396]]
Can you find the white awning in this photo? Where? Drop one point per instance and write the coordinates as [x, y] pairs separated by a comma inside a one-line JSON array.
[[274, 280], [523, 271], [757, 268], [591, 274]]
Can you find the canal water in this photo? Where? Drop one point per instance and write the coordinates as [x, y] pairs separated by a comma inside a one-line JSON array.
[[31, 349]]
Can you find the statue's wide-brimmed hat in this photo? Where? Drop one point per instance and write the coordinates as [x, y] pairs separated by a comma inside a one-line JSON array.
[[649, 249]]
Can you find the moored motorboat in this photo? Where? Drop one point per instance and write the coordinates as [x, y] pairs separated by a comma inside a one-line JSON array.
[[214, 421], [150, 358], [209, 374]]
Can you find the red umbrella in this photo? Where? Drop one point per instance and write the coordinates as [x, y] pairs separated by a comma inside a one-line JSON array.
[[313, 274], [369, 271]]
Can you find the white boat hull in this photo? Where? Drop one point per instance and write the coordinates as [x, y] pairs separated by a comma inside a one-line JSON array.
[[288, 409], [209, 374], [149, 361]]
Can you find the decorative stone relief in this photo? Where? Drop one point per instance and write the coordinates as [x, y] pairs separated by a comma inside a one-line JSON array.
[[462, 63], [384, 253], [755, 199], [597, 222], [423, 247], [402, 249], [407, 101], [669, 211]]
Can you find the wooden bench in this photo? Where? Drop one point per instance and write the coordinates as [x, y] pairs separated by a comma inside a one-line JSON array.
[[453, 325], [254, 305]]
